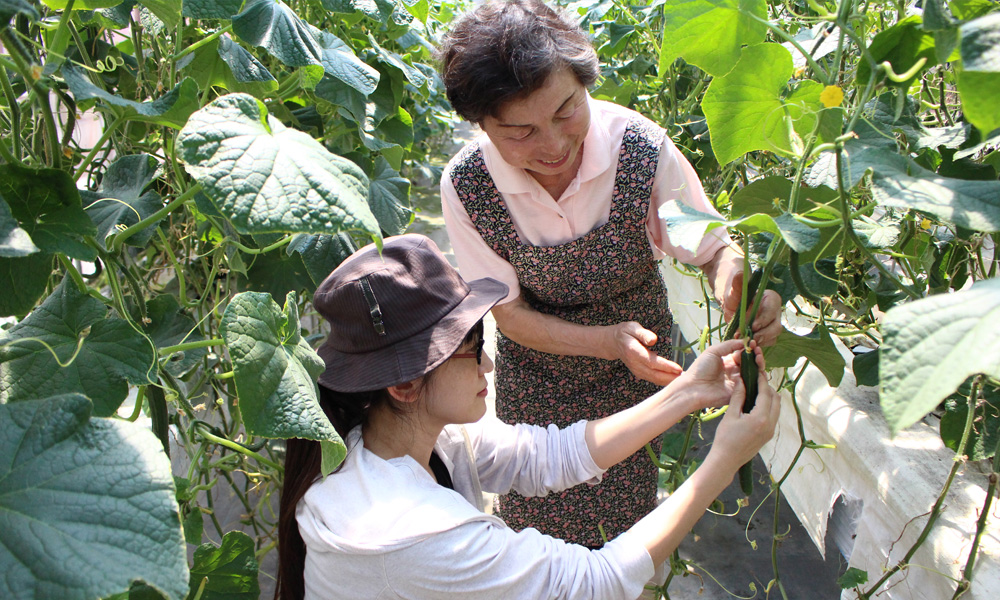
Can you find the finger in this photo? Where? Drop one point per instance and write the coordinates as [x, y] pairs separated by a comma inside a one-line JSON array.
[[724, 348], [738, 397]]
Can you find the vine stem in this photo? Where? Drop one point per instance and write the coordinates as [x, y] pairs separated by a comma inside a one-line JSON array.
[[119, 239], [781, 33], [849, 228], [238, 448], [15, 114], [202, 42], [108, 132], [41, 93], [168, 350], [936, 510]]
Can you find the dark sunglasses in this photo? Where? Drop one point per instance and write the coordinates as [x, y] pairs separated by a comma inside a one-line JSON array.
[[478, 354]]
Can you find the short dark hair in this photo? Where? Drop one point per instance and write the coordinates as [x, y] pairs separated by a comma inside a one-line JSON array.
[[506, 49]]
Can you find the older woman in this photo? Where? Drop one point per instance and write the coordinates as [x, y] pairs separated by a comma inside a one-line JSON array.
[[558, 199]]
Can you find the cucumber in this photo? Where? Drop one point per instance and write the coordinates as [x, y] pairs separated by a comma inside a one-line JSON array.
[[748, 372]]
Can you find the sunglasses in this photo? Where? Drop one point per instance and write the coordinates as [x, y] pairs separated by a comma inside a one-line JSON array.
[[478, 354]]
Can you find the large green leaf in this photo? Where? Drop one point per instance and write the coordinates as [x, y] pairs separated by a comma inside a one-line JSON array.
[[901, 45], [744, 108], [390, 198], [171, 109], [687, 226], [120, 201], [86, 505], [321, 253], [231, 569], [267, 178], [14, 241], [46, 204], [817, 346], [710, 33], [9, 8], [275, 369], [272, 25], [339, 61], [971, 204], [211, 9], [979, 77], [24, 281], [930, 346], [98, 355]]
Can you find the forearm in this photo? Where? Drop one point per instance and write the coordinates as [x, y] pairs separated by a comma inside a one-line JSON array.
[[720, 270], [618, 436], [662, 530], [547, 333]]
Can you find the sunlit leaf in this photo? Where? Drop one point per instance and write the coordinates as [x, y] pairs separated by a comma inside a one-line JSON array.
[[710, 33], [86, 505], [926, 349], [275, 369], [268, 178], [79, 4], [172, 109], [744, 109]]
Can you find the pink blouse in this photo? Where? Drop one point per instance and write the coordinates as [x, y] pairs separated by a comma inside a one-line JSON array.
[[541, 220]]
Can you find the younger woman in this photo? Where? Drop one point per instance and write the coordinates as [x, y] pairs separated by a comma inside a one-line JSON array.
[[405, 385]]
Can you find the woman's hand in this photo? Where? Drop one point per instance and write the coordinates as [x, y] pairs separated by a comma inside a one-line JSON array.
[[631, 343], [713, 377], [740, 436], [725, 274]]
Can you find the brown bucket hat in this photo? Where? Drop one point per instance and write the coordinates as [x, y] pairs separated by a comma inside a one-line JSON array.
[[396, 316]]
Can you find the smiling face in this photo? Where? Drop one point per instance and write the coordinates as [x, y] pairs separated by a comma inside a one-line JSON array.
[[456, 394], [543, 133]]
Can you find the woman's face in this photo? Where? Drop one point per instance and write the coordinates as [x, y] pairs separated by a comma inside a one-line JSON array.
[[543, 133], [457, 391]]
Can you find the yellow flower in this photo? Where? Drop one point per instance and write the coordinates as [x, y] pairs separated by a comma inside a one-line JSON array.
[[831, 96], [925, 224]]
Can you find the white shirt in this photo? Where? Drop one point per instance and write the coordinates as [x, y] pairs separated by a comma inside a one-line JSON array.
[[384, 529], [541, 220]]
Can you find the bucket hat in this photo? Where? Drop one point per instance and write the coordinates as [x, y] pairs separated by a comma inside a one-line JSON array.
[[396, 316]]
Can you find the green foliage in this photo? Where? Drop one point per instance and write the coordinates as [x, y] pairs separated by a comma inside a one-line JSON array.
[[59, 547], [167, 170]]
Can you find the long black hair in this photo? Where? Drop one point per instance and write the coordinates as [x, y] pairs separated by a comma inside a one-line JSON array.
[[346, 410]]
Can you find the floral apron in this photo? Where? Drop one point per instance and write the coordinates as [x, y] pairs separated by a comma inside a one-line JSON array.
[[605, 277]]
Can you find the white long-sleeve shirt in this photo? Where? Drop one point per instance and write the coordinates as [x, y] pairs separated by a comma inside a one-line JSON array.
[[384, 529]]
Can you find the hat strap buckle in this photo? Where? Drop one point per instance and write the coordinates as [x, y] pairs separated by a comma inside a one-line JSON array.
[[373, 307]]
